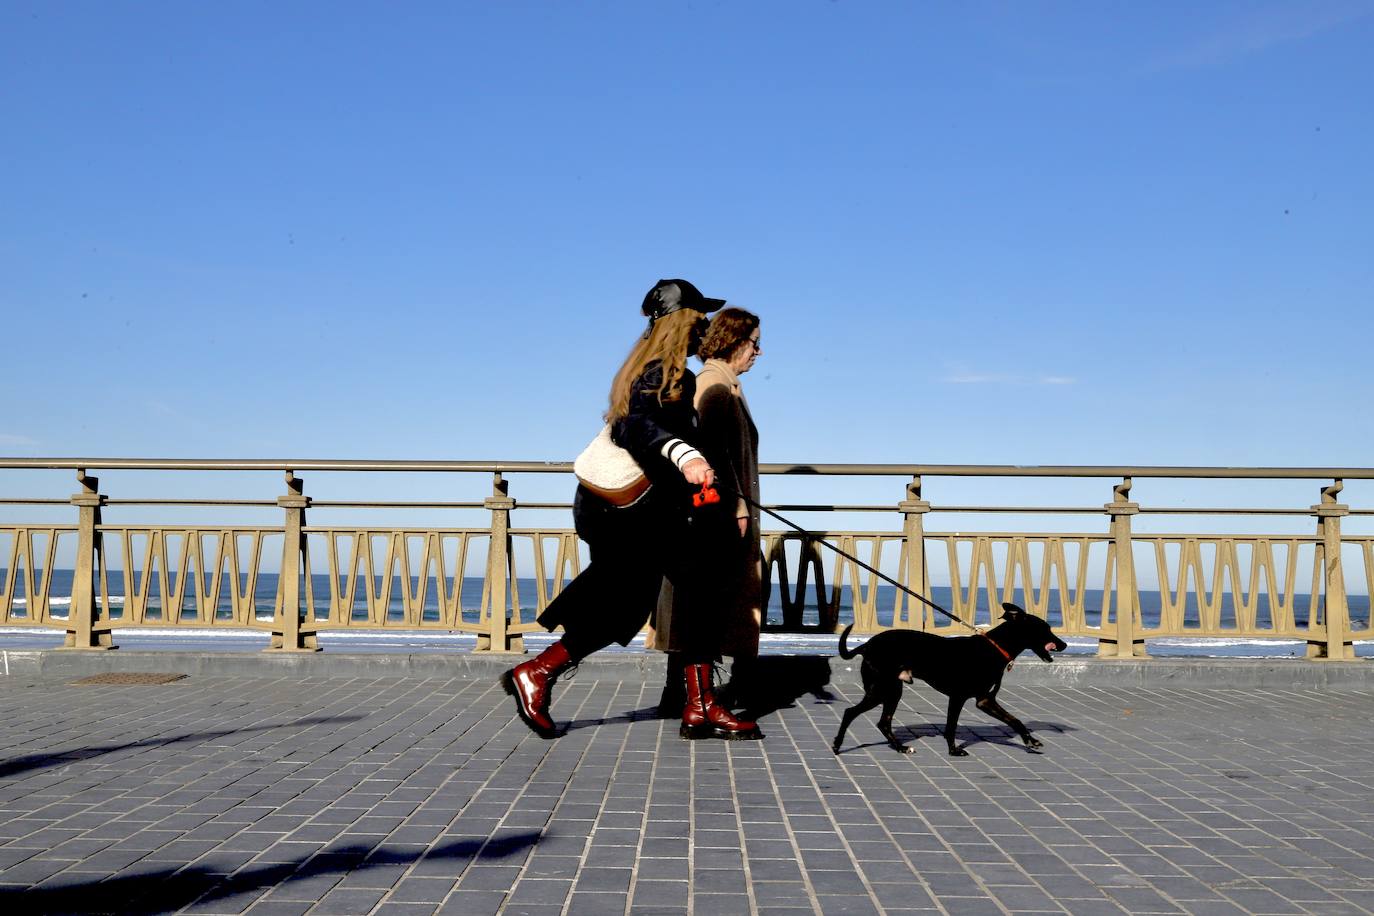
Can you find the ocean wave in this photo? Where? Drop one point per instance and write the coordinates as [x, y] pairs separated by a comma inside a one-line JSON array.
[[1198, 642], [115, 601]]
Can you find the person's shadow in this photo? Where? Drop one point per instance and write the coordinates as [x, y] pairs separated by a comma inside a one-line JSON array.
[[16, 765], [768, 684], [167, 887]]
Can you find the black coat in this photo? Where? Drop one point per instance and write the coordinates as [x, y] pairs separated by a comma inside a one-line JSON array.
[[650, 424], [633, 549]]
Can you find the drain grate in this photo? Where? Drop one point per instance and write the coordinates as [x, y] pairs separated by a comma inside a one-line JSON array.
[[127, 678]]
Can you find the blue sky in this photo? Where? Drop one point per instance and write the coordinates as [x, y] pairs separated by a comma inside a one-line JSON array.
[[1006, 233]]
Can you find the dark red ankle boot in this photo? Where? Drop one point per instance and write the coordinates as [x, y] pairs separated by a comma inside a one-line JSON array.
[[703, 717], [529, 683]]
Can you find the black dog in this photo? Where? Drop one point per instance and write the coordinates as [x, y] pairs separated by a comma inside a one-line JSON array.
[[961, 667]]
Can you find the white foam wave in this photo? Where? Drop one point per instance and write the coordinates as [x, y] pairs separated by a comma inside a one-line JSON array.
[[115, 601], [1203, 643]]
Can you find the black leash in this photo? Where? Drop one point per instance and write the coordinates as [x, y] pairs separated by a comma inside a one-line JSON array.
[[853, 559]]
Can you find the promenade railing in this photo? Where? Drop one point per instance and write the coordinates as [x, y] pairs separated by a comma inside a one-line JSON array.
[[1226, 585]]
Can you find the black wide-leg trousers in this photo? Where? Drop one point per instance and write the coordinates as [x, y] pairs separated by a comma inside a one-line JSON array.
[[632, 551]]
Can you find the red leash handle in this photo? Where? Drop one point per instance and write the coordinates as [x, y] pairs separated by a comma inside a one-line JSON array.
[[706, 496]]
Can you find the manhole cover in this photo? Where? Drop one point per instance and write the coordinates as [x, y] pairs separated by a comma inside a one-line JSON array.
[[128, 678]]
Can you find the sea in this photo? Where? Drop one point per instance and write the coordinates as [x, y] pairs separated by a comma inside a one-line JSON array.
[[392, 637]]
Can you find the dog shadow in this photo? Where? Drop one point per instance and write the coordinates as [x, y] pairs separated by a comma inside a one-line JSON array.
[[970, 735]]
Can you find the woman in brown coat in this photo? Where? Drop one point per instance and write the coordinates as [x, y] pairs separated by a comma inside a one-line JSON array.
[[730, 441]]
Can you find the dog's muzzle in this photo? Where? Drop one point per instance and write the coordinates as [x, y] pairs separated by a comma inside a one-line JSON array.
[[1054, 645]]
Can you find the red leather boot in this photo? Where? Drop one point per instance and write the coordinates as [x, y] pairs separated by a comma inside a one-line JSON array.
[[703, 717], [529, 683]]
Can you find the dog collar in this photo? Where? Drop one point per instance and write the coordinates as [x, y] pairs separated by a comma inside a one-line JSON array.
[[1005, 653]]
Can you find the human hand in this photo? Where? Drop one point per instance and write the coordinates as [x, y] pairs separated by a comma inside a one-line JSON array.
[[698, 472], [743, 525]]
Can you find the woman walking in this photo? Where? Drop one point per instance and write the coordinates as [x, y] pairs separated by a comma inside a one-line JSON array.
[[659, 535], [730, 440]]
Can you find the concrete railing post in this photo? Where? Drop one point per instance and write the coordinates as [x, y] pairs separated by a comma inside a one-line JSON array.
[[83, 631], [914, 509], [497, 612], [1335, 611], [287, 633], [1123, 641]]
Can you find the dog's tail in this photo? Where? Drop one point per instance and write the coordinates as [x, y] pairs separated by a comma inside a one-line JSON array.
[[844, 646]]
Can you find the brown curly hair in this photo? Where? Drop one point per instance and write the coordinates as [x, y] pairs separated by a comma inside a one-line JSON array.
[[729, 331]]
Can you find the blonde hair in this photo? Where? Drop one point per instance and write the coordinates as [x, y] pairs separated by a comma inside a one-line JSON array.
[[669, 343]]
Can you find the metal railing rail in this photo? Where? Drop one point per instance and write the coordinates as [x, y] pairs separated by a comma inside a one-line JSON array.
[[414, 577], [524, 467]]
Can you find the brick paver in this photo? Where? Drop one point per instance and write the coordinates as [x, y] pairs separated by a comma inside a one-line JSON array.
[[418, 796]]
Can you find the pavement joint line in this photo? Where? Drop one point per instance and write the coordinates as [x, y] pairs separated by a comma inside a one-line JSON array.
[[583, 709], [745, 866], [644, 822], [791, 833], [868, 884]]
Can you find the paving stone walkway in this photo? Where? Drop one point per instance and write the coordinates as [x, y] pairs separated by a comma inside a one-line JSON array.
[[288, 796]]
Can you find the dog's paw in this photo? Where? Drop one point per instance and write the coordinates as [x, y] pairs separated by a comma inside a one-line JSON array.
[[1033, 743], [958, 752], [835, 748]]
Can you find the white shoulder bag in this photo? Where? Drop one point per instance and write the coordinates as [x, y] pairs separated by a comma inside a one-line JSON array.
[[610, 472]]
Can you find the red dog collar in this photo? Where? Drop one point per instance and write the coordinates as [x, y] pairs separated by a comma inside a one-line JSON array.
[[1005, 653]]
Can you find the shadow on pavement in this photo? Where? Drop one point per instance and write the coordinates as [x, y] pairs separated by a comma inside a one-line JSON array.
[[774, 682], [971, 736], [633, 715], [41, 761], [171, 888], [768, 684]]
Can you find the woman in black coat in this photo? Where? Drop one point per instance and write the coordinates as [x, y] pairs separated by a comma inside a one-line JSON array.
[[660, 535]]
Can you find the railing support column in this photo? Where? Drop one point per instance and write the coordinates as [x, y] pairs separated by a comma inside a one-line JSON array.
[[914, 509], [1335, 609], [1125, 644], [498, 638], [287, 633], [83, 631]]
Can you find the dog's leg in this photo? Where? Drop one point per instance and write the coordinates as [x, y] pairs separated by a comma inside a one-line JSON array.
[[868, 702], [951, 723], [990, 706], [885, 721]]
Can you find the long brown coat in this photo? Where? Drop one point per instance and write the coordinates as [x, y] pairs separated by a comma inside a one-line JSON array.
[[728, 437]]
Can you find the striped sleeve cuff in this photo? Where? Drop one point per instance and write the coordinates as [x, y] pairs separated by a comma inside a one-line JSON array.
[[679, 452]]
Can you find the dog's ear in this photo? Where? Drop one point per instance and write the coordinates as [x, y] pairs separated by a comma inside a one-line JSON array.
[[1011, 611]]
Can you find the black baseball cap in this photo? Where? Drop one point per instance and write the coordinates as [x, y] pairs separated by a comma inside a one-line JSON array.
[[669, 296]]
